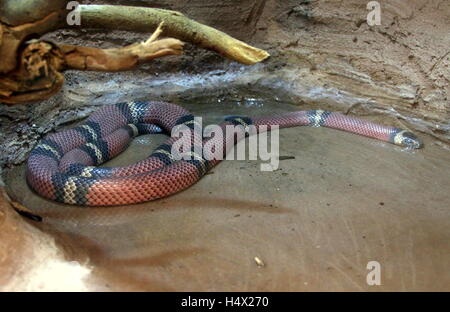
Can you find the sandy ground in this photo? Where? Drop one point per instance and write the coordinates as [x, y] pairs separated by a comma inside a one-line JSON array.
[[315, 222]]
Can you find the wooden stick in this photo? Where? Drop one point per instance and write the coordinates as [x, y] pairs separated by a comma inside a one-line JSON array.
[[176, 25], [124, 58]]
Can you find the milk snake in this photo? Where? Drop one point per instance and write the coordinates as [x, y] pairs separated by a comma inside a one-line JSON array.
[[62, 166]]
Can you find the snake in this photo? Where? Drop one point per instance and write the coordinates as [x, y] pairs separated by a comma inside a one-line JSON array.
[[65, 165]]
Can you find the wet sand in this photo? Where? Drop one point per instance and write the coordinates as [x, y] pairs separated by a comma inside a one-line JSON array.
[[315, 222]]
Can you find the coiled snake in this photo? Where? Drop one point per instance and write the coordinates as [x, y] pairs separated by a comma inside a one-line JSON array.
[[62, 166]]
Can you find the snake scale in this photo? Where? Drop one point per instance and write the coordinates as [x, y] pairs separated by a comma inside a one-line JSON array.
[[62, 167]]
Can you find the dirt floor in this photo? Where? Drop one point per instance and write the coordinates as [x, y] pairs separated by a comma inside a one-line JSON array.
[[337, 202]]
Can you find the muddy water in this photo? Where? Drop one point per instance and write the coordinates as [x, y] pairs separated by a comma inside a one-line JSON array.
[[316, 222]]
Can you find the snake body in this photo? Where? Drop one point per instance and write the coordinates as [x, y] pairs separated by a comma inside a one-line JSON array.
[[62, 167]]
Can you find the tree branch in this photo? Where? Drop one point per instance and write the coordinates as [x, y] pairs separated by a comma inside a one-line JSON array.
[[31, 71], [177, 26], [41, 63], [117, 59]]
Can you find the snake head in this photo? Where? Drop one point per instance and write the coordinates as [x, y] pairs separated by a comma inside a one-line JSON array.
[[408, 139]]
